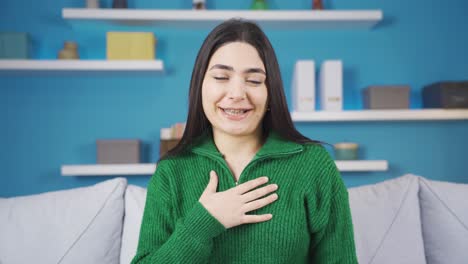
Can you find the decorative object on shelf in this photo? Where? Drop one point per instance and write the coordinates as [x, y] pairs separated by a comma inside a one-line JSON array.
[[346, 151], [119, 4], [303, 86], [118, 151], [331, 85], [170, 137], [446, 95], [259, 5], [92, 3], [69, 51], [14, 45], [178, 130], [131, 46], [199, 5], [386, 97], [317, 4], [167, 142]]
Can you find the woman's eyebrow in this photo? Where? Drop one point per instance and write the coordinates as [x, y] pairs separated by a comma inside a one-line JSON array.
[[222, 67], [229, 68], [255, 70]]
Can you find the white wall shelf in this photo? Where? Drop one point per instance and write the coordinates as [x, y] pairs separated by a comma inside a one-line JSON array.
[[108, 169], [289, 19], [381, 115], [81, 65], [362, 165], [149, 168]]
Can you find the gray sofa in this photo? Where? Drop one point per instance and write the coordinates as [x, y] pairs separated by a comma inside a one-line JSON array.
[[408, 219]]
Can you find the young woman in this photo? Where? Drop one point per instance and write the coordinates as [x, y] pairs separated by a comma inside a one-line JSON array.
[[243, 185]]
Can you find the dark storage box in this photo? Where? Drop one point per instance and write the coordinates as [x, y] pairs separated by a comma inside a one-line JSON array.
[[14, 45], [446, 95], [386, 97], [118, 151], [166, 145]]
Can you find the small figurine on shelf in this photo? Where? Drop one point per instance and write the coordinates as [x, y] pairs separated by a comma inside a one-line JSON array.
[[199, 5], [170, 137], [346, 151], [317, 4], [259, 5], [69, 51], [119, 4], [92, 3]]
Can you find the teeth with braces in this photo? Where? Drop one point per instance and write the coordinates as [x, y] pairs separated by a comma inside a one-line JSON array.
[[234, 112]]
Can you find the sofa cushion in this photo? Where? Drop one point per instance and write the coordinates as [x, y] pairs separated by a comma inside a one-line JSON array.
[[444, 217], [135, 198], [81, 225], [386, 219]]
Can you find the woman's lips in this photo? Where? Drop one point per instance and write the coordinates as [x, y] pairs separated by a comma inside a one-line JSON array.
[[235, 117]]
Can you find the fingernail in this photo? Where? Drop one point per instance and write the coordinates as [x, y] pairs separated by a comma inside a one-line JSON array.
[[266, 178]]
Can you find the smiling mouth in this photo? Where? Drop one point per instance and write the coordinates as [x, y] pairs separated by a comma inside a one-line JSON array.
[[235, 112]]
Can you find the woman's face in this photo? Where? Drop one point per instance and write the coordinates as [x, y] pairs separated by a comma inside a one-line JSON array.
[[234, 93]]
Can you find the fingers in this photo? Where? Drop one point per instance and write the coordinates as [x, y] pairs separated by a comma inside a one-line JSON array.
[[257, 204], [254, 195], [230, 207], [213, 183], [247, 186], [248, 219]]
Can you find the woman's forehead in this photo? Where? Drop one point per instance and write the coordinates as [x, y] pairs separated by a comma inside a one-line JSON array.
[[238, 55]]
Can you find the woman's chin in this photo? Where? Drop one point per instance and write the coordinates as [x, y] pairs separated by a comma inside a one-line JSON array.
[[237, 131]]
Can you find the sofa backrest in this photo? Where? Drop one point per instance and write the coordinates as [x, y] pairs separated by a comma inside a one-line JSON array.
[[135, 198], [80, 225], [387, 223], [444, 218], [408, 219]]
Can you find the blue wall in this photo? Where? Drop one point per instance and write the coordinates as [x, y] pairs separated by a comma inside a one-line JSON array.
[[48, 120]]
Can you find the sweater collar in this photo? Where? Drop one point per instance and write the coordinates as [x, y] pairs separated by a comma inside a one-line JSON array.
[[274, 145]]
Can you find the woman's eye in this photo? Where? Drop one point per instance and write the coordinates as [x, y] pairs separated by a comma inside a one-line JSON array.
[[254, 82], [220, 78]]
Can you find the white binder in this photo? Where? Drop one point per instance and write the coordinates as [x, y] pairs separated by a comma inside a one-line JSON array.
[[331, 85], [303, 86]]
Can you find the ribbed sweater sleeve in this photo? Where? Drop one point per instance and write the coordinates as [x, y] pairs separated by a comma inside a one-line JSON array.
[[164, 239], [332, 238]]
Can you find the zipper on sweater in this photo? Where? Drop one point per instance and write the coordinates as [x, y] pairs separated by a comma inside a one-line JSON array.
[[221, 161], [256, 159]]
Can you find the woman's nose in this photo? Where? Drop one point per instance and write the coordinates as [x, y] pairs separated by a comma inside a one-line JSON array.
[[237, 90]]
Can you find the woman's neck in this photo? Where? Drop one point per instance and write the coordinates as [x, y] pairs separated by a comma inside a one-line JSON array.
[[238, 146]]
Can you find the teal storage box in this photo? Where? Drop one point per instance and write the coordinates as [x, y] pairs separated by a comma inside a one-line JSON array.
[[14, 45]]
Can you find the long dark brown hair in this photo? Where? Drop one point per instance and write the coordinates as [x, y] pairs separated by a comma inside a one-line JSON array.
[[236, 30]]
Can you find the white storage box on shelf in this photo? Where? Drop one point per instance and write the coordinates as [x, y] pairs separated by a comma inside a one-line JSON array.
[[331, 85], [303, 86]]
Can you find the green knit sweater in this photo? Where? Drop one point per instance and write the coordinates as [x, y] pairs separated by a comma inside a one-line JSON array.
[[311, 219]]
